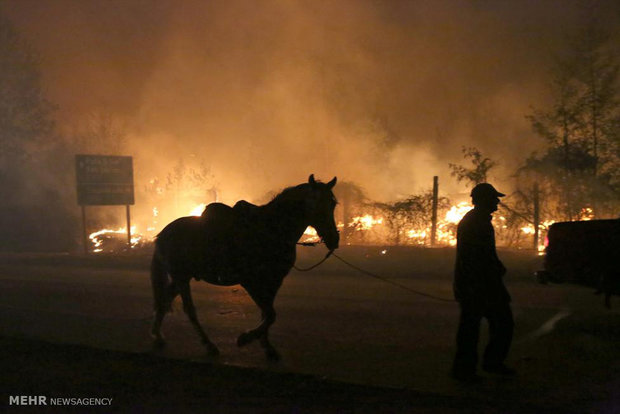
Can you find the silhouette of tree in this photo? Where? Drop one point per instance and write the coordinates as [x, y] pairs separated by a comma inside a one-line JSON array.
[[581, 164], [350, 197], [36, 212], [185, 184], [25, 113], [478, 173], [413, 213], [99, 133]]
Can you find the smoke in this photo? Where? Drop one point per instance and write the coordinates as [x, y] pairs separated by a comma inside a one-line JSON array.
[[380, 93]]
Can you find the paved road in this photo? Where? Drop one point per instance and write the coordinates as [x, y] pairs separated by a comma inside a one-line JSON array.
[[336, 323]]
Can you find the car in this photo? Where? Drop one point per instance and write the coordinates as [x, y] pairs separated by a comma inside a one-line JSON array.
[[586, 253]]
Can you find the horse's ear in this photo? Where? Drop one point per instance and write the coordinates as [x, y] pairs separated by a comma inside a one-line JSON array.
[[332, 183], [311, 180]]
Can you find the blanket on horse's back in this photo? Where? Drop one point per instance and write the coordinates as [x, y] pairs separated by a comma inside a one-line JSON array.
[[222, 220], [218, 245], [224, 244]]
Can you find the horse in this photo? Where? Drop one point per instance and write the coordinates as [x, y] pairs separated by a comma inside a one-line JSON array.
[[247, 245]]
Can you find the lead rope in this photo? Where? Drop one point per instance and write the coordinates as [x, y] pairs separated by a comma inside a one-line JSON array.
[[367, 273], [329, 253], [391, 282]]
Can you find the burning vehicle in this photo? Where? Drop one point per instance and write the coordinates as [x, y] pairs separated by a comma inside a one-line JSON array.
[[585, 253]]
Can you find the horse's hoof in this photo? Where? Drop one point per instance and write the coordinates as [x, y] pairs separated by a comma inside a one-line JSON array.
[[272, 355], [244, 339]]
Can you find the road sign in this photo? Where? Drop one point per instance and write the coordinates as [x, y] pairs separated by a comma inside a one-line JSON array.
[[104, 180]]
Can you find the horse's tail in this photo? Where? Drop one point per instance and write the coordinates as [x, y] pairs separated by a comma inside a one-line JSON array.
[[159, 281]]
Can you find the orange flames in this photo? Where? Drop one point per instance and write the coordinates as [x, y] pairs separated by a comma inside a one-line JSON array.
[[364, 224], [445, 234], [98, 238]]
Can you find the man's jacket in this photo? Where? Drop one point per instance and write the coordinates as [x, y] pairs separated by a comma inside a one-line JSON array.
[[478, 271]]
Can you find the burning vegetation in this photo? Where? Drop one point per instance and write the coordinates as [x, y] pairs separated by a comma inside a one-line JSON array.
[[406, 223]]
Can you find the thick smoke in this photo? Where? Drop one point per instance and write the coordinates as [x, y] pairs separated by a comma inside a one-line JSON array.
[[380, 93]]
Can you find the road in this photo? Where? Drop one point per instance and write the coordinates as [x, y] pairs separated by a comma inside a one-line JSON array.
[[336, 323]]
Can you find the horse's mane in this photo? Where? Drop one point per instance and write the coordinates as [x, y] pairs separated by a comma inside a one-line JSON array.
[[292, 193]]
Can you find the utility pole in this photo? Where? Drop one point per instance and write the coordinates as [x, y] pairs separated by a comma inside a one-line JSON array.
[[434, 216], [536, 215]]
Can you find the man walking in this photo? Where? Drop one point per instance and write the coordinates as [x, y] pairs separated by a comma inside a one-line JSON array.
[[480, 290]]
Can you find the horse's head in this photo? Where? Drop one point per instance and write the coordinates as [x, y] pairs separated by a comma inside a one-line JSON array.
[[320, 208]]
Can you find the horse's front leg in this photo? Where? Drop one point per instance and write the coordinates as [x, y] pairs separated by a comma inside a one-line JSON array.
[[271, 353], [264, 297]]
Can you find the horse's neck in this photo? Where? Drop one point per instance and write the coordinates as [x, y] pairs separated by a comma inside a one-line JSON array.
[[287, 219]]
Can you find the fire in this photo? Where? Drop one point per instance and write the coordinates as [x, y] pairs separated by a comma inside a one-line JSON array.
[[456, 213], [197, 211], [365, 222], [366, 228], [586, 214], [97, 237], [418, 235], [529, 229], [310, 235]]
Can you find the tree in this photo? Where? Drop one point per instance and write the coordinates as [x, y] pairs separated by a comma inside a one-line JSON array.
[[183, 187], [99, 133], [349, 195], [410, 217], [25, 113], [580, 166], [478, 173], [35, 212], [596, 74]]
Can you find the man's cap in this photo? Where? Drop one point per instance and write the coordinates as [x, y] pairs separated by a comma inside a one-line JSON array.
[[483, 190]]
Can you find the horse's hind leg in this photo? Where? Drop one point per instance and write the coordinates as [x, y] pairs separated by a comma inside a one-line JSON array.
[[190, 310], [172, 291], [264, 298]]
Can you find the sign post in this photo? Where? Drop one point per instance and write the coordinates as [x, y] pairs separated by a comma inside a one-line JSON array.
[[104, 180]]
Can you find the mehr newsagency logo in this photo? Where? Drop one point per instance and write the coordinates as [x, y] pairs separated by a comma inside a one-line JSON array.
[[42, 400]]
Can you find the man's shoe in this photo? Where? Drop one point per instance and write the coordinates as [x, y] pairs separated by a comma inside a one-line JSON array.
[[500, 369]]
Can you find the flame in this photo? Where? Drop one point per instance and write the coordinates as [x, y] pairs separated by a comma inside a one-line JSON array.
[[542, 227], [371, 228], [418, 235], [366, 222], [529, 229], [97, 241], [197, 211], [310, 235], [446, 227], [136, 238], [586, 214], [456, 213]]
